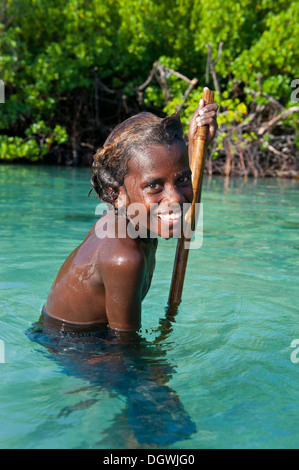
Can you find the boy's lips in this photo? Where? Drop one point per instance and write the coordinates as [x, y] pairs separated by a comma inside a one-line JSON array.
[[169, 217]]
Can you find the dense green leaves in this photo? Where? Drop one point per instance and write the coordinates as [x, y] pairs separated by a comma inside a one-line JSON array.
[[53, 51]]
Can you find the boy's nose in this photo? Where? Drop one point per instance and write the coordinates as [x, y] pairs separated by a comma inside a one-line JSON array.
[[174, 196]]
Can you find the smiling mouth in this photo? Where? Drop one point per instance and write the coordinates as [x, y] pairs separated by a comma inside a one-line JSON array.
[[170, 218], [167, 217]]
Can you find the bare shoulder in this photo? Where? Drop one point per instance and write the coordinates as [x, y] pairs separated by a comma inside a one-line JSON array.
[[123, 268], [122, 255]]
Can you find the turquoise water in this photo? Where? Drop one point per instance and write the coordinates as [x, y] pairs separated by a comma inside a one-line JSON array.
[[220, 375]]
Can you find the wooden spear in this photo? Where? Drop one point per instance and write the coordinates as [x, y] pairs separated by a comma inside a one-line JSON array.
[[197, 168]]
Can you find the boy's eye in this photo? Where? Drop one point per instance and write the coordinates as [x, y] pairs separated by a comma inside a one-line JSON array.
[[154, 186], [184, 179]]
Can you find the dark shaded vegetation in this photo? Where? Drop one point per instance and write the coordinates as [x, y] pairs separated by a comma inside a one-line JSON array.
[[74, 69]]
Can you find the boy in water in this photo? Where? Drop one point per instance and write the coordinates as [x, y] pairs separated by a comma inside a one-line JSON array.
[[104, 280]]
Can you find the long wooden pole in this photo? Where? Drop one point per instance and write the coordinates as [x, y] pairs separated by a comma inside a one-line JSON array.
[[197, 168]]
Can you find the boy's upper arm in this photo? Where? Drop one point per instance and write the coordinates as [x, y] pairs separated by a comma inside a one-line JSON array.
[[123, 279]]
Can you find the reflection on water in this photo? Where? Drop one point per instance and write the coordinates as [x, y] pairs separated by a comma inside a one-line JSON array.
[[126, 364]]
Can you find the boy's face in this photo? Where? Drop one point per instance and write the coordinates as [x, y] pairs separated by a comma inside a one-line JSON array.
[[157, 186]]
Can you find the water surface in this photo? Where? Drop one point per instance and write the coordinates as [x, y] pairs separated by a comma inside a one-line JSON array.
[[220, 375]]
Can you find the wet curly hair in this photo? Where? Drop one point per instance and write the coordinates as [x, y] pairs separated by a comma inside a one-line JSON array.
[[110, 163]]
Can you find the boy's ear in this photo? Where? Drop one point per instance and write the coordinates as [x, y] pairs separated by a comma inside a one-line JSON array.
[[122, 199]]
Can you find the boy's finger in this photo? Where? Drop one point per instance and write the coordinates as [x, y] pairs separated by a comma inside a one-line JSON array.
[[206, 118], [204, 121], [208, 108], [206, 114], [199, 107]]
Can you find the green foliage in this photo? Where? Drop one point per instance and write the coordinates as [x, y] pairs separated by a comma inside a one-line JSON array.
[[38, 142], [52, 50], [12, 148]]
